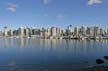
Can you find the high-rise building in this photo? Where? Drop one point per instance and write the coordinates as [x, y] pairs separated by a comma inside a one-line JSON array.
[[5, 31], [96, 31], [62, 33], [10, 33], [107, 31], [35, 31], [58, 31], [26, 32], [54, 31], [45, 34], [49, 32], [76, 31], [83, 31], [90, 31], [101, 31], [42, 32], [32, 31], [1, 33], [21, 32], [15, 32], [69, 30]]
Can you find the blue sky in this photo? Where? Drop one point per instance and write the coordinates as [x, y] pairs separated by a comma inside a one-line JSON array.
[[47, 13]]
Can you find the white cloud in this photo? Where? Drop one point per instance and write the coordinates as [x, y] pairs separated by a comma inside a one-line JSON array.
[[61, 17], [12, 7], [91, 2], [45, 2]]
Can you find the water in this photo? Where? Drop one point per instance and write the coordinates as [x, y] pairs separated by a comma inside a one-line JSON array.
[[17, 53]]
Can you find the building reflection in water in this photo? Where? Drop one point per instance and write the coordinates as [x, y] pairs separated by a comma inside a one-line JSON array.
[[44, 50], [5, 42], [66, 45], [21, 42], [54, 43]]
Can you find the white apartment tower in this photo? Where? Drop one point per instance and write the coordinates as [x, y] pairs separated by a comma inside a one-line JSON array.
[[5, 31]]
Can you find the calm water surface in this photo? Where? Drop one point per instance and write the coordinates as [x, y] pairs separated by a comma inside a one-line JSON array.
[[54, 54]]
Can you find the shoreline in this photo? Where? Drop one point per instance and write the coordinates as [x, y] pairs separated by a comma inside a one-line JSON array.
[[101, 68], [95, 68], [55, 38]]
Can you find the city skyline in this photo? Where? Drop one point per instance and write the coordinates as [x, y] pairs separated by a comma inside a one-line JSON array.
[[42, 27], [47, 13], [56, 32]]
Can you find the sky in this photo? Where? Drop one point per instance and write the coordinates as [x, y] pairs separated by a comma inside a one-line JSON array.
[[59, 13]]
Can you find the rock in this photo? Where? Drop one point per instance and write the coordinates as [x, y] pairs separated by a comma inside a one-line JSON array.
[[106, 57], [99, 61]]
